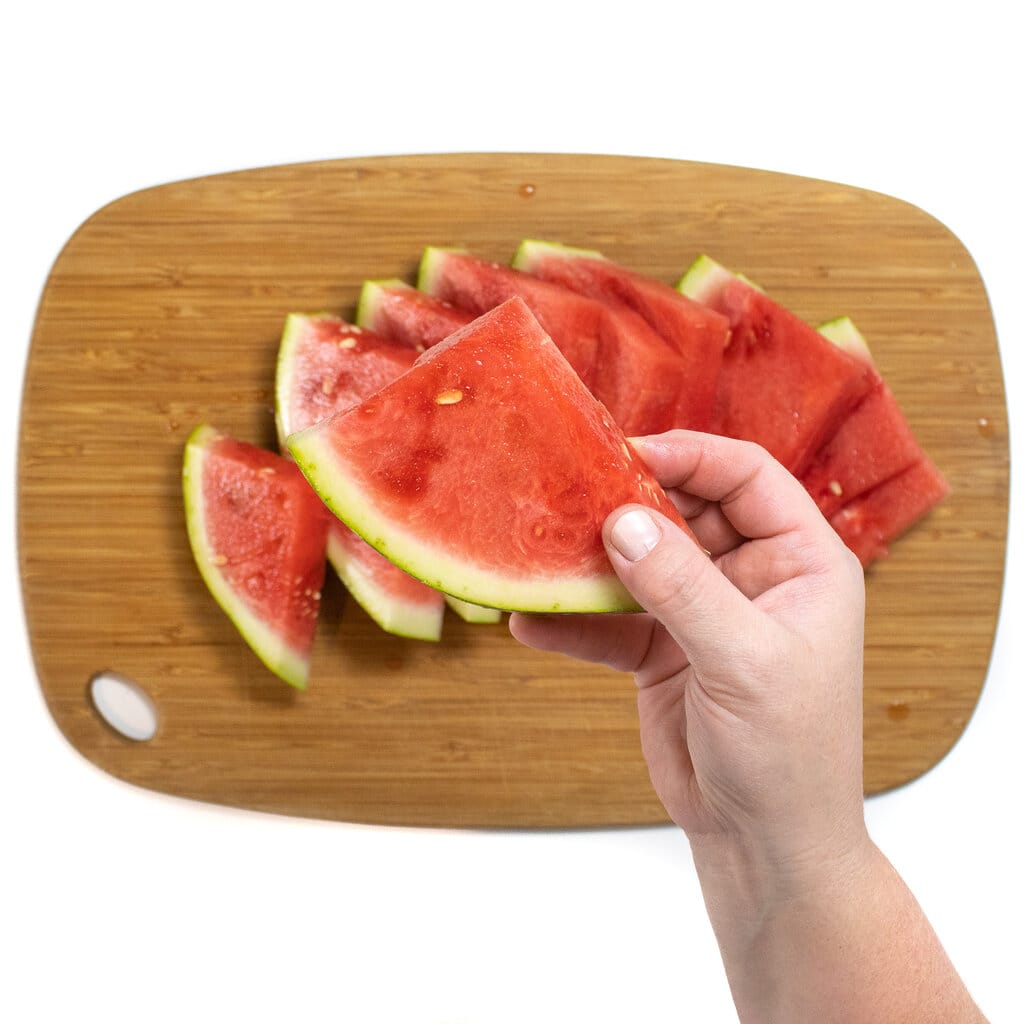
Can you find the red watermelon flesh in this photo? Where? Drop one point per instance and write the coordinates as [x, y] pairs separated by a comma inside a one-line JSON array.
[[258, 534], [326, 364], [871, 445], [782, 384], [487, 471], [623, 363], [871, 522], [396, 310], [698, 334]]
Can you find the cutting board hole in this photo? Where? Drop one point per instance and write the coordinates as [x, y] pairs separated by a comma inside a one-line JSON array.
[[124, 706]]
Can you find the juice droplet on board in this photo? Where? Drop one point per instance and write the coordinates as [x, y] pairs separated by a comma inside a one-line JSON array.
[[985, 426], [898, 710], [527, 190]]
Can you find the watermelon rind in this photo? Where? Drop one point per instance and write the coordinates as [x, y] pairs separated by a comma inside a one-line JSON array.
[[427, 274], [369, 297], [530, 249], [438, 567], [842, 331], [705, 277], [284, 375], [473, 613], [400, 618], [280, 657]]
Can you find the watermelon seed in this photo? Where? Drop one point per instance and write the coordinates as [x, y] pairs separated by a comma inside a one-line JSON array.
[[450, 397], [219, 560], [327, 385], [348, 342], [836, 488]]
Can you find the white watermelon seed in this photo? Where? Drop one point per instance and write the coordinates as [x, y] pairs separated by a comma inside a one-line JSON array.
[[449, 397]]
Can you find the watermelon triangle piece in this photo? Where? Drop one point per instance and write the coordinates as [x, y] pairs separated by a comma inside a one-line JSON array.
[[486, 471], [696, 333], [326, 364], [258, 534], [396, 310], [782, 384], [872, 521], [871, 445], [623, 363]]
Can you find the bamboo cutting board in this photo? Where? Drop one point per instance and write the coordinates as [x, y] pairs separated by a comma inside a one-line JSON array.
[[165, 310]]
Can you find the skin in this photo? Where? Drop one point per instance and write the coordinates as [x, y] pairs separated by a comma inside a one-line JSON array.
[[749, 672]]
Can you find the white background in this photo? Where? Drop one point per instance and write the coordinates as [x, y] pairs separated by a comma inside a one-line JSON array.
[[118, 904]]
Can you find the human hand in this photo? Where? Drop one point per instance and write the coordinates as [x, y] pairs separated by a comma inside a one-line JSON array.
[[748, 663]]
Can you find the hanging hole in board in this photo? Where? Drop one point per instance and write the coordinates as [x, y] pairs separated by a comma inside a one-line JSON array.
[[124, 706]]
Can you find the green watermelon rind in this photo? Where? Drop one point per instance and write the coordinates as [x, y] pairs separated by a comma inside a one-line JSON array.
[[705, 278], [279, 656], [290, 337], [438, 567], [394, 616], [530, 249], [369, 299], [473, 613], [843, 332]]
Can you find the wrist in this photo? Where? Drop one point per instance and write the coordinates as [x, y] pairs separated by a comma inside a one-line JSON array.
[[746, 879]]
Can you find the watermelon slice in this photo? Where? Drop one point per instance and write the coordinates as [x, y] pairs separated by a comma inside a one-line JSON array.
[[325, 364], [473, 613], [486, 470], [871, 445], [618, 357], [258, 534], [871, 522], [698, 334], [782, 384], [396, 310]]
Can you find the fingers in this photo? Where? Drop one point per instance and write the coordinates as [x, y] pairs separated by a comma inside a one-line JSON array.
[[757, 497], [619, 641], [708, 617]]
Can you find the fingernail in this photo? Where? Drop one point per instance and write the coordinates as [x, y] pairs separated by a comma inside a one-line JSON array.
[[635, 534]]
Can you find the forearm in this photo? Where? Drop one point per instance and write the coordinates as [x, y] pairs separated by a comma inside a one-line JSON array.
[[845, 944]]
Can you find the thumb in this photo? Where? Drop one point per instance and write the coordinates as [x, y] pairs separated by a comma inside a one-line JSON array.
[[677, 582]]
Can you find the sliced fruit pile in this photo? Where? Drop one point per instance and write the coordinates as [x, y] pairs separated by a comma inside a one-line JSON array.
[[468, 437]]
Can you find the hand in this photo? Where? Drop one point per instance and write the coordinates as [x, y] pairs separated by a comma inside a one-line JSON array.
[[749, 661]]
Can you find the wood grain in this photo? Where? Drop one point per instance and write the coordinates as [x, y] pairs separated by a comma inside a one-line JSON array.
[[165, 309]]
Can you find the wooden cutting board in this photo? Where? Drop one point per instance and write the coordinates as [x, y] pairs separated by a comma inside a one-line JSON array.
[[165, 309]]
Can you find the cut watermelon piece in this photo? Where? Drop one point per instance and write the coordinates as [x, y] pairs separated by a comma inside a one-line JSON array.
[[258, 534], [473, 612], [782, 384], [487, 471], [698, 334], [396, 310], [618, 357], [871, 445], [326, 364], [871, 522]]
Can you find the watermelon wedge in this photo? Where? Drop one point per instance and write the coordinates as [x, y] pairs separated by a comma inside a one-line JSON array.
[[473, 612], [782, 384], [258, 534], [486, 471], [871, 522], [698, 334], [325, 364], [396, 310], [871, 445], [623, 363]]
